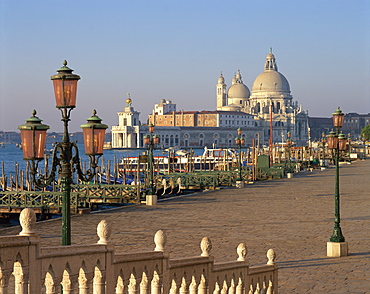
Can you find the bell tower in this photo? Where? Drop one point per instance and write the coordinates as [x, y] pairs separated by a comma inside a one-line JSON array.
[[221, 99]]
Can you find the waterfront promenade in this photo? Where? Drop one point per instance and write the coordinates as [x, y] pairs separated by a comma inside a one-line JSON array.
[[293, 216]]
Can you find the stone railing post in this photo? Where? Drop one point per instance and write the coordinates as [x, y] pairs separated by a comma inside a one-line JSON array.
[[160, 240], [205, 246], [31, 278]]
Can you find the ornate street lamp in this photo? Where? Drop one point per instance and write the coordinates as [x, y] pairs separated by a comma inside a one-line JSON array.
[[363, 138], [337, 142], [323, 140], [65, 157], [349, 147], [239, 141], [289, 144], [151, 140]]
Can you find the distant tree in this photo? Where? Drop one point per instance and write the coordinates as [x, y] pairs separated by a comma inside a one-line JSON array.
[[366, 131]]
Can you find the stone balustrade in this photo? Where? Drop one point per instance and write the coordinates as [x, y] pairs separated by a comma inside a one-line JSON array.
[[26, 267]]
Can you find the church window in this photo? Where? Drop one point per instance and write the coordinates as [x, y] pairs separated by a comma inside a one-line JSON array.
[[241, 101], [125, 121], [134, 121]]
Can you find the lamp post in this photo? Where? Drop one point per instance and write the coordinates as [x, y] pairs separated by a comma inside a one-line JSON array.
[[151, 140], [289, 144], [323, 140], [65, 156], [363, 138], [239, 141], [349, 147], [337, 142]]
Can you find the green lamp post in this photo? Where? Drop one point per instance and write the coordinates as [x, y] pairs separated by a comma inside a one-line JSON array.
[[363, 138], [289, 144], [151, 140], [323, 141], [337, 142], [349, 147], [65, 156], [239, 141]]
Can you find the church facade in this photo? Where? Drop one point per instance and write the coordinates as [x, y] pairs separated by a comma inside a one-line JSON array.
[[268, 107], [270, 102]]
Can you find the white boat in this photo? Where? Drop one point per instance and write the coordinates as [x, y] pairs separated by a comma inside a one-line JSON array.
[[183, 160]]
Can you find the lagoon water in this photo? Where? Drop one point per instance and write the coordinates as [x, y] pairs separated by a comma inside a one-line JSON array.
[[12, 155]]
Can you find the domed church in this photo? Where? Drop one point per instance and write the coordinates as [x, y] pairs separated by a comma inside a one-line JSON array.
[[270, 102]]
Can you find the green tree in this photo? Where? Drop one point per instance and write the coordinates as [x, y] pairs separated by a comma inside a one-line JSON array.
[[366, 132]]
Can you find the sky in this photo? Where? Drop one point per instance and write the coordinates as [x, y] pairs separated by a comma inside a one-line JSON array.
[[176, 50]]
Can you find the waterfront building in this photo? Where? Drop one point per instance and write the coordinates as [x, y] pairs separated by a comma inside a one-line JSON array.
[[269, 106], [270, 102], [129, 133], [183, 128]]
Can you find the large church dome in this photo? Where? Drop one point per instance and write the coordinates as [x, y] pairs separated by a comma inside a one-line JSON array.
[[271, 80]]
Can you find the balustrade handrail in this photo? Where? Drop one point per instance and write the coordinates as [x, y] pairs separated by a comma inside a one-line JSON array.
[[97, 268]]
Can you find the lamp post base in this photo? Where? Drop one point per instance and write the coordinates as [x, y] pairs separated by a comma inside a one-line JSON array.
[[289, 175], [151, 199], [239, 184], [337, 249]]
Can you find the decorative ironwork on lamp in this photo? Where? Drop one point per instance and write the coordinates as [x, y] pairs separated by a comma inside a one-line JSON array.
[[65, 156]]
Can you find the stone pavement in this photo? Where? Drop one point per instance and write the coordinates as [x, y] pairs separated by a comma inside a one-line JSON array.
[[293, 216]]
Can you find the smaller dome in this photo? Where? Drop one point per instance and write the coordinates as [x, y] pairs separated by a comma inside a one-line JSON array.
[[238, 90]]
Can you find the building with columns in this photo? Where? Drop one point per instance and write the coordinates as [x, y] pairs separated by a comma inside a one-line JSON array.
[[183, 128], [127, 134], [268, 107], [270, 102]]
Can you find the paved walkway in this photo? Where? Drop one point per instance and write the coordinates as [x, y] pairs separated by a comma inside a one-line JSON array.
[[293, 216]]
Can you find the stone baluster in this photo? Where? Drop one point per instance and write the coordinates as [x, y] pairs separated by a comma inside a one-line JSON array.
[[120, 286], [184, 287], [258, 289], [205, 246], [99, 281], [50, 285], [232, 287], [224, 288], [84, 282], [264, 288], [4, 279], [270, 289], [160, 240], [173, 289], [20, 278], [203, 285], [217, 289], [144, 284], [132, 285], [68, 282], [156, 284], [193, 286], [240, 286]]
